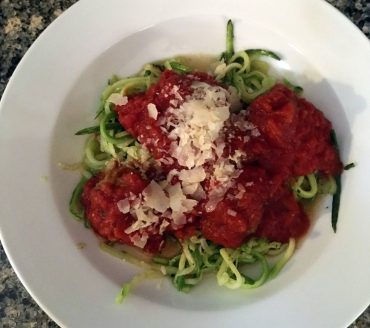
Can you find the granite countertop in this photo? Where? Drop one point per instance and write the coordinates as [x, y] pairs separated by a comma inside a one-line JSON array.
[[20, 23]]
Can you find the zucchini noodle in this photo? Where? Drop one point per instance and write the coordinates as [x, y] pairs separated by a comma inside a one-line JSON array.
[[94, 159], [123, 86], [244, 70], [248, 76], [109, 140], [284, 259], [310, 182], [136, 280], [265, 272], [151, 70], [200, 256], [74, 204], [228, 274], [309, 186]]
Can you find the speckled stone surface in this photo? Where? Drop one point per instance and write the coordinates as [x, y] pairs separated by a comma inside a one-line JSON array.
[[20, 23]]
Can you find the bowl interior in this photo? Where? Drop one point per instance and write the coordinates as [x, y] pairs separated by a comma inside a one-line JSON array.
[[190, 35]]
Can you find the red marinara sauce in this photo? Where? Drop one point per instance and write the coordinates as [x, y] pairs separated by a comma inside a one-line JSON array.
[[293, 139]]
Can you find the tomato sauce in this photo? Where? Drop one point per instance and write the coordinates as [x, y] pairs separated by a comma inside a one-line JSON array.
[[293, 139]]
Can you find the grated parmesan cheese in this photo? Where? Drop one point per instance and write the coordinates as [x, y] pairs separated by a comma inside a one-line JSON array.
[[163, 226], [155, 197], [152, 110], [194, 175], [231, 212], [117, 99], [178, 201], [139, 241], [124, 206], [196, 124]]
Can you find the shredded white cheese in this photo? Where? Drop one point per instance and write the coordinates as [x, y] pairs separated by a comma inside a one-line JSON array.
[[196, 124], [152, 110], [194, 175], [231, 212], [117, 99], [139, 241], [124, 206], [155, 197]]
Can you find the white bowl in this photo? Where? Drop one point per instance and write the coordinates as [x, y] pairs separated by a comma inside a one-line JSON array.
[[55, 91]]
